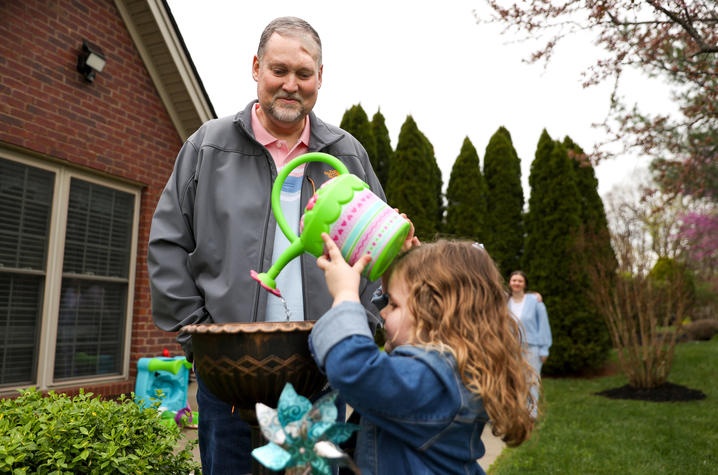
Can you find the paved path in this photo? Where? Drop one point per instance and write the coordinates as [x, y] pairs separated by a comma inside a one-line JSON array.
[[494, 445]]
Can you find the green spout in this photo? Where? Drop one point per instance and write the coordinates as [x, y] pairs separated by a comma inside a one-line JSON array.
[[266, 279], [172, 366]]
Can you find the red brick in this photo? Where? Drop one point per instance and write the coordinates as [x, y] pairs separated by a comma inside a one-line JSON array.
[[116, 124]]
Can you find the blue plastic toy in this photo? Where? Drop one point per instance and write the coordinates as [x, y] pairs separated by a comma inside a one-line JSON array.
[[169, 375]]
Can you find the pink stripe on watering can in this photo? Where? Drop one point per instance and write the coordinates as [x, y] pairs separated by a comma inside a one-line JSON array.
[[360, 223], [382, 238], [349, 217], [363, 246]]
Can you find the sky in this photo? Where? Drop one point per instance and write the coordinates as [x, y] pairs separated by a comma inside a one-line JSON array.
[[427, 59]]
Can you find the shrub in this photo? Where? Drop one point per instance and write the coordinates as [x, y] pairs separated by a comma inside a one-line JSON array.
[[703, 329], [668, 272], [84, 434]]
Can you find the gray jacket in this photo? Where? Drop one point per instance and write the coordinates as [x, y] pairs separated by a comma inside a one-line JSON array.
[[213, 224]]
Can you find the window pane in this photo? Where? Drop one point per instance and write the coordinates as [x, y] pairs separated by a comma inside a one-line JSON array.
[[99, 230], [20, 307], [91, 326], [25, 208]]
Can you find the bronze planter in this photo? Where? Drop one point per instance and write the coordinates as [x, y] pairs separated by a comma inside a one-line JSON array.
[[246, 363]]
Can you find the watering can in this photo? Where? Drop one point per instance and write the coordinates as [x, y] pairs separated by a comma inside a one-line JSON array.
[[345, 208]]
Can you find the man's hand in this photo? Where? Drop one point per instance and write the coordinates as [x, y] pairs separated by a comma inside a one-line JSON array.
[[539, 298], [342, 279]]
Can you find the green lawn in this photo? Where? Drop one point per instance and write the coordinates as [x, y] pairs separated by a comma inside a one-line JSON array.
[[584, 434]]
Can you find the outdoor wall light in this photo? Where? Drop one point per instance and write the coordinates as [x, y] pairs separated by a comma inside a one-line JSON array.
[[90, 61]]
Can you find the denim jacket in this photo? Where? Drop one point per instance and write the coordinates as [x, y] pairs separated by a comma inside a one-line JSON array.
[[417, 416]]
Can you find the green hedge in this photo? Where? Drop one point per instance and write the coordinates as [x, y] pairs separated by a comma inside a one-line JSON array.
[[57, 434]]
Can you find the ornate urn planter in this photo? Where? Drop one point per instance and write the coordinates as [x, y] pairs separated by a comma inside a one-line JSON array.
[[246, 363]]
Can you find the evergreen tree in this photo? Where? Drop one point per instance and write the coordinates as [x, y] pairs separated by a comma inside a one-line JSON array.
[[437, 184], [466, 197], [597, 240], [411, 186], [356, 122], [381, 161], [505, 202], [553, 261]]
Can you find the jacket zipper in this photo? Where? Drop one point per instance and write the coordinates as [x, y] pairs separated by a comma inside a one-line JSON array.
[[272, 177]]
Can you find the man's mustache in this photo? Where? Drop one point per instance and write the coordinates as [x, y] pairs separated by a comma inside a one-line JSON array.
[[294, 97]]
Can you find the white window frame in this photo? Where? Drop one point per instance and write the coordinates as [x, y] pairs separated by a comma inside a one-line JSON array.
[[53, 269]]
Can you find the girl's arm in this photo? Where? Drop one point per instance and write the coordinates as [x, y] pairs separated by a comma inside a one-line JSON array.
[[399, 393], [379, 386]]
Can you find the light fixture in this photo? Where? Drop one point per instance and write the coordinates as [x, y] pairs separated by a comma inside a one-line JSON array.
[[90, 61]]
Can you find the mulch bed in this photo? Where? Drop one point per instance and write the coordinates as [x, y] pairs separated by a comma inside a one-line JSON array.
[[666, 392]]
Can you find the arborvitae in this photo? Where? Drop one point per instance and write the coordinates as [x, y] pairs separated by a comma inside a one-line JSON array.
[[411, 186], [466, 197], [552, 260], [505, 202], [594, 243], [593, 215], [437, 182], [381, 161], [356, 122]]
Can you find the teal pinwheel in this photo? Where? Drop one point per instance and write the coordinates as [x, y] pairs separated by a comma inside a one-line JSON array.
[[303, 437]]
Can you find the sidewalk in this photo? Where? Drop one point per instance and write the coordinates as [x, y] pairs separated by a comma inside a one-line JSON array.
[[191, 434], [494, 445]]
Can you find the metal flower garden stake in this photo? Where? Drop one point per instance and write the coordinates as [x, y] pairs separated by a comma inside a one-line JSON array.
[[303, 437]]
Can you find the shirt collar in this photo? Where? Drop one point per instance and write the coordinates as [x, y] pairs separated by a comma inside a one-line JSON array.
[[265, 138]]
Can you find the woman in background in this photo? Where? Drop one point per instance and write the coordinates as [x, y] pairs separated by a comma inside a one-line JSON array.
[[531, 314]]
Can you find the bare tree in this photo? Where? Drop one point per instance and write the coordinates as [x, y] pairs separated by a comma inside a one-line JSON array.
[[644, 313]]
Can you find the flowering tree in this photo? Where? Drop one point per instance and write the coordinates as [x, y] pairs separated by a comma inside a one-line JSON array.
[[676, 41], [701, 233]]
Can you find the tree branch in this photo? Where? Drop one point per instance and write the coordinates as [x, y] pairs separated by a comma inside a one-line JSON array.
[[687, 25]]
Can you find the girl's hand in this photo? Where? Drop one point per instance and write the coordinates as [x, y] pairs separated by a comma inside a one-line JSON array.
[[342, 279], [411, 240]]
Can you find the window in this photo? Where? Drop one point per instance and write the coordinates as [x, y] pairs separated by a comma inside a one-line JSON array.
[[67, 251]]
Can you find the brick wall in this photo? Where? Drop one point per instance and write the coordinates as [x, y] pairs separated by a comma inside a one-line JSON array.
[[117, 124]]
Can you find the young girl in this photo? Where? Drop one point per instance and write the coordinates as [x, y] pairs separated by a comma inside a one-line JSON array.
[[453, 360]]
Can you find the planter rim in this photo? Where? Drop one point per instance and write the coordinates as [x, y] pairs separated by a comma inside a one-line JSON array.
[[250, 327]]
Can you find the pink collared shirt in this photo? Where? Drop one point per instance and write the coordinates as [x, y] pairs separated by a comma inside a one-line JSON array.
[[289, 281], [278, 148]]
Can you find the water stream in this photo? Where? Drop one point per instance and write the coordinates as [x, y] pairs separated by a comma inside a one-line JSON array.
[[287, 312]]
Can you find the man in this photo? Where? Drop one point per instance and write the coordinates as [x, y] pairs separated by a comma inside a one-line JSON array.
[[213, 223]]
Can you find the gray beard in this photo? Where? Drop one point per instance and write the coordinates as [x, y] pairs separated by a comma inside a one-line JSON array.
[[286, 114]]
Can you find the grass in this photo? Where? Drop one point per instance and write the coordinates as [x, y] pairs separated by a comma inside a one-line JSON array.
[[582, 433]]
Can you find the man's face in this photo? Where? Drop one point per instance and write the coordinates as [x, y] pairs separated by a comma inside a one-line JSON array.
[[288, 79]]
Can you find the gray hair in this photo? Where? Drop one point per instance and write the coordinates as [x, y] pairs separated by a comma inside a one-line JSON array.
[[289, 25]]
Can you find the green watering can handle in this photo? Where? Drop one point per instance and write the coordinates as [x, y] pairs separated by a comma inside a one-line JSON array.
[[296, 246], [279, 182]]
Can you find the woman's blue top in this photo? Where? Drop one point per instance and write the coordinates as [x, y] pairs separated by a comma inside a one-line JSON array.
[[534, 324]]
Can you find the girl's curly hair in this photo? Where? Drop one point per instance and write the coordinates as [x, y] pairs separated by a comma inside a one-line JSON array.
[[458, 299]]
